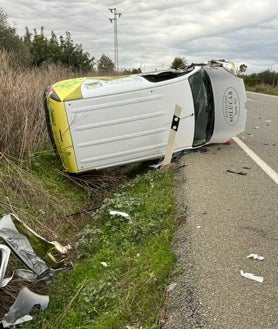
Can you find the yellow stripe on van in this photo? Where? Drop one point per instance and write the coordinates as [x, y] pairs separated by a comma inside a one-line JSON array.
[[69, 89], [61, 134]]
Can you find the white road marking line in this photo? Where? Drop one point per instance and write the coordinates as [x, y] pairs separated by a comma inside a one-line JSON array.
[[269, 171]]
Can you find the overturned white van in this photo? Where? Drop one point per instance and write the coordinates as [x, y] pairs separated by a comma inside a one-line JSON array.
[[95, 123]]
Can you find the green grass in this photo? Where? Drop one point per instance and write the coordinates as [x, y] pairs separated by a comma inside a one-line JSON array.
[[130, 289]]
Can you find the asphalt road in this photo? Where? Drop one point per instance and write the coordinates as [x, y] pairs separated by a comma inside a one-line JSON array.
[[229, 216]]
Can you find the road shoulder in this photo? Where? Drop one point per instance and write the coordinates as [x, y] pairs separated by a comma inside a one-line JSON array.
[[225, 221]]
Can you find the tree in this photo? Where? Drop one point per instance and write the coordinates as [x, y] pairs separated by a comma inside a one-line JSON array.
[[39, 48], [178, 63], [73, 55], [36, 49], [105, 65], [54, 48], [11, 42], [63, 52]]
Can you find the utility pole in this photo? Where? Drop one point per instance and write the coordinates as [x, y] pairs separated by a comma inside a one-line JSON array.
[[115, 19]]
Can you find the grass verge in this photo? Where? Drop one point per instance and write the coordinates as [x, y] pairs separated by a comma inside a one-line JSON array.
[[264, 89], [121, 265]]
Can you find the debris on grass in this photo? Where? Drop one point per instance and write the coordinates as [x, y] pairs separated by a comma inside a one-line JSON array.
[[156, 165], [43, 258], [119, 213], [39, 255], [24, 303], [4, 259], [171, 287]]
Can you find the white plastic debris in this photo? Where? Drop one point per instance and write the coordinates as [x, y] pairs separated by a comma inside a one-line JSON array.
[[104, 264], [62, 249], [255, 256], [156, 165], [4, 259], [19, 311], [119, 213], [21, 320], [251, 276], [171, 287]]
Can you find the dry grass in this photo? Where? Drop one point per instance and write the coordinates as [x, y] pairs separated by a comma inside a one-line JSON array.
[[23, 135], [21, 108], [263, 88], [24, 194]]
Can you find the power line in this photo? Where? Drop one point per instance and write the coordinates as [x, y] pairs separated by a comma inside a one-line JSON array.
[[115, 19]]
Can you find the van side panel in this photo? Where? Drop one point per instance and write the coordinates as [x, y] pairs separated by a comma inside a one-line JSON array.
[[127, 127]]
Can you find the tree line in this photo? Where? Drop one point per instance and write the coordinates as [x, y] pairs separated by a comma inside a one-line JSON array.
[[36, 49], [266, 77]]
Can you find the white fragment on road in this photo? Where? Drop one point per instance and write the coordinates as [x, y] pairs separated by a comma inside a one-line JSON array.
[[171, 287], [251, 276], [255, 256], [199, 226], [120, 213]]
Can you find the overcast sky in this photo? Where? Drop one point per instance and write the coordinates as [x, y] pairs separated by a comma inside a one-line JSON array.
[[152, 33]]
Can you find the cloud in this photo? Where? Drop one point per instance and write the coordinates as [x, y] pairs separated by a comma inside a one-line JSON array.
[[151, 34]]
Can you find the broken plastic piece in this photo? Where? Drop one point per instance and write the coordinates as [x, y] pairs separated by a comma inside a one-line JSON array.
[[120, 213], [24, 274], [61, 249], [19, 311], [237, 172], [104, 264], [171, 287], [251, 276], [4, 259], [34, 251], [255, 256], [155, 165], [15, 325]]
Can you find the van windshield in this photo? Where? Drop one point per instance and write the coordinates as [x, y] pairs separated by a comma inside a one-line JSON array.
[[203, 106]]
